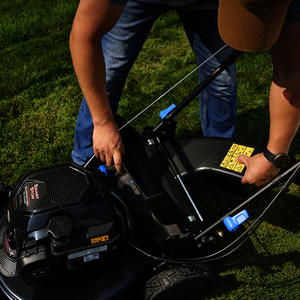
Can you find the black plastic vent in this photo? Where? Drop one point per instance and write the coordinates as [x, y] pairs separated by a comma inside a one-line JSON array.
[[64, 185]]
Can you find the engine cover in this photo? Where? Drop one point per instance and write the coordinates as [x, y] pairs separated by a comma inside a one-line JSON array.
[[57, 215]]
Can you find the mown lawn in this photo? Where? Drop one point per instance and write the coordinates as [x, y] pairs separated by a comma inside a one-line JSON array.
[[39, 102]]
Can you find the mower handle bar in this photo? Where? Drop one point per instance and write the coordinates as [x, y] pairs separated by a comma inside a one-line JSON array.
[[276, 181]]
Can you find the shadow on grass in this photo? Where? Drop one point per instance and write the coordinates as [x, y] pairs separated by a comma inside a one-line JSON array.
[[253, 272]]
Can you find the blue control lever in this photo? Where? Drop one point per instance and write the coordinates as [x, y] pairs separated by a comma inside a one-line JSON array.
[[102, 169], [163, 113], [233, 223]]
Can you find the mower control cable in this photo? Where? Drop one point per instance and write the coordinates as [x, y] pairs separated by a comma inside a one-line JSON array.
[[276, 181], [253, 227], [170, 89], [214, 256]]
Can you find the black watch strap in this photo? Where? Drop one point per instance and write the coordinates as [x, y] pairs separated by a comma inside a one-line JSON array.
[[269, 156], [280, 160]]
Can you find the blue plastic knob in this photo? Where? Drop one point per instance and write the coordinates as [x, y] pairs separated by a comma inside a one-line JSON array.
[[163, 113], [102, 169], [233, 223]]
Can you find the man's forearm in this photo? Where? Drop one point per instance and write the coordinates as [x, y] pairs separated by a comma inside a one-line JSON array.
[[285, 89], [284, 117], [93, 20], [90, 70]]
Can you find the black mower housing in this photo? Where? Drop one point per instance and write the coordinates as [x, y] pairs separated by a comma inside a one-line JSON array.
[[63, 212]]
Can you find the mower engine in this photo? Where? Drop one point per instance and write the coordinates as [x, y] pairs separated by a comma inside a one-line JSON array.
[[60, 215]]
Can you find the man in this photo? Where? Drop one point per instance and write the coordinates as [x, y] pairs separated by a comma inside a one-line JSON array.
[[95, 18], [122, 44]]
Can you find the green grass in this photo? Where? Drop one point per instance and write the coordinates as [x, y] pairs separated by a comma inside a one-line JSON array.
[[39, 102]]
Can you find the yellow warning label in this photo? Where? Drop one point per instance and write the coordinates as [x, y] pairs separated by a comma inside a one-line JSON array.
[[227, 158], [229, 161], [99, 239], [239, 167]]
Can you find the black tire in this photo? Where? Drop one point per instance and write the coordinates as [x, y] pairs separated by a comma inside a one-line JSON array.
[[4, 195], [180, 282]]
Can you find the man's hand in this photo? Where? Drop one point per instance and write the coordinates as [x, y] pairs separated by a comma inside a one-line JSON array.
[[108, 146], [259, 170]]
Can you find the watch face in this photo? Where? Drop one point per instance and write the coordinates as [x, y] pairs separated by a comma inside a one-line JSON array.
[[281, 160]]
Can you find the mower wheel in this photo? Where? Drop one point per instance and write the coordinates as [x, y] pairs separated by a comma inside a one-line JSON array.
[[4, 194], [180, 282]]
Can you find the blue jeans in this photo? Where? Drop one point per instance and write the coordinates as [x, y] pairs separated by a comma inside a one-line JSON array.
[[121, 46]]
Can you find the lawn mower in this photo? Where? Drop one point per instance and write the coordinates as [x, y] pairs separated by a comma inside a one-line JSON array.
[[75, 232]]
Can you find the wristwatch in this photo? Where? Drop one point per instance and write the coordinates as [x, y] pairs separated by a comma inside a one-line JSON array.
[[279, 161]]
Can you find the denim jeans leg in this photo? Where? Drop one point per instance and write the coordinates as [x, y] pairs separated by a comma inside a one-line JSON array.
[[121, 47], [293, 13], [218, 102]]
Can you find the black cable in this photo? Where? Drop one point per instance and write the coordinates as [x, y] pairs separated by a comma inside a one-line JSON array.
[[211, 257]]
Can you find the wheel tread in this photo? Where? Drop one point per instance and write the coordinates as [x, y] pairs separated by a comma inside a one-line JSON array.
[[177, 277]]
